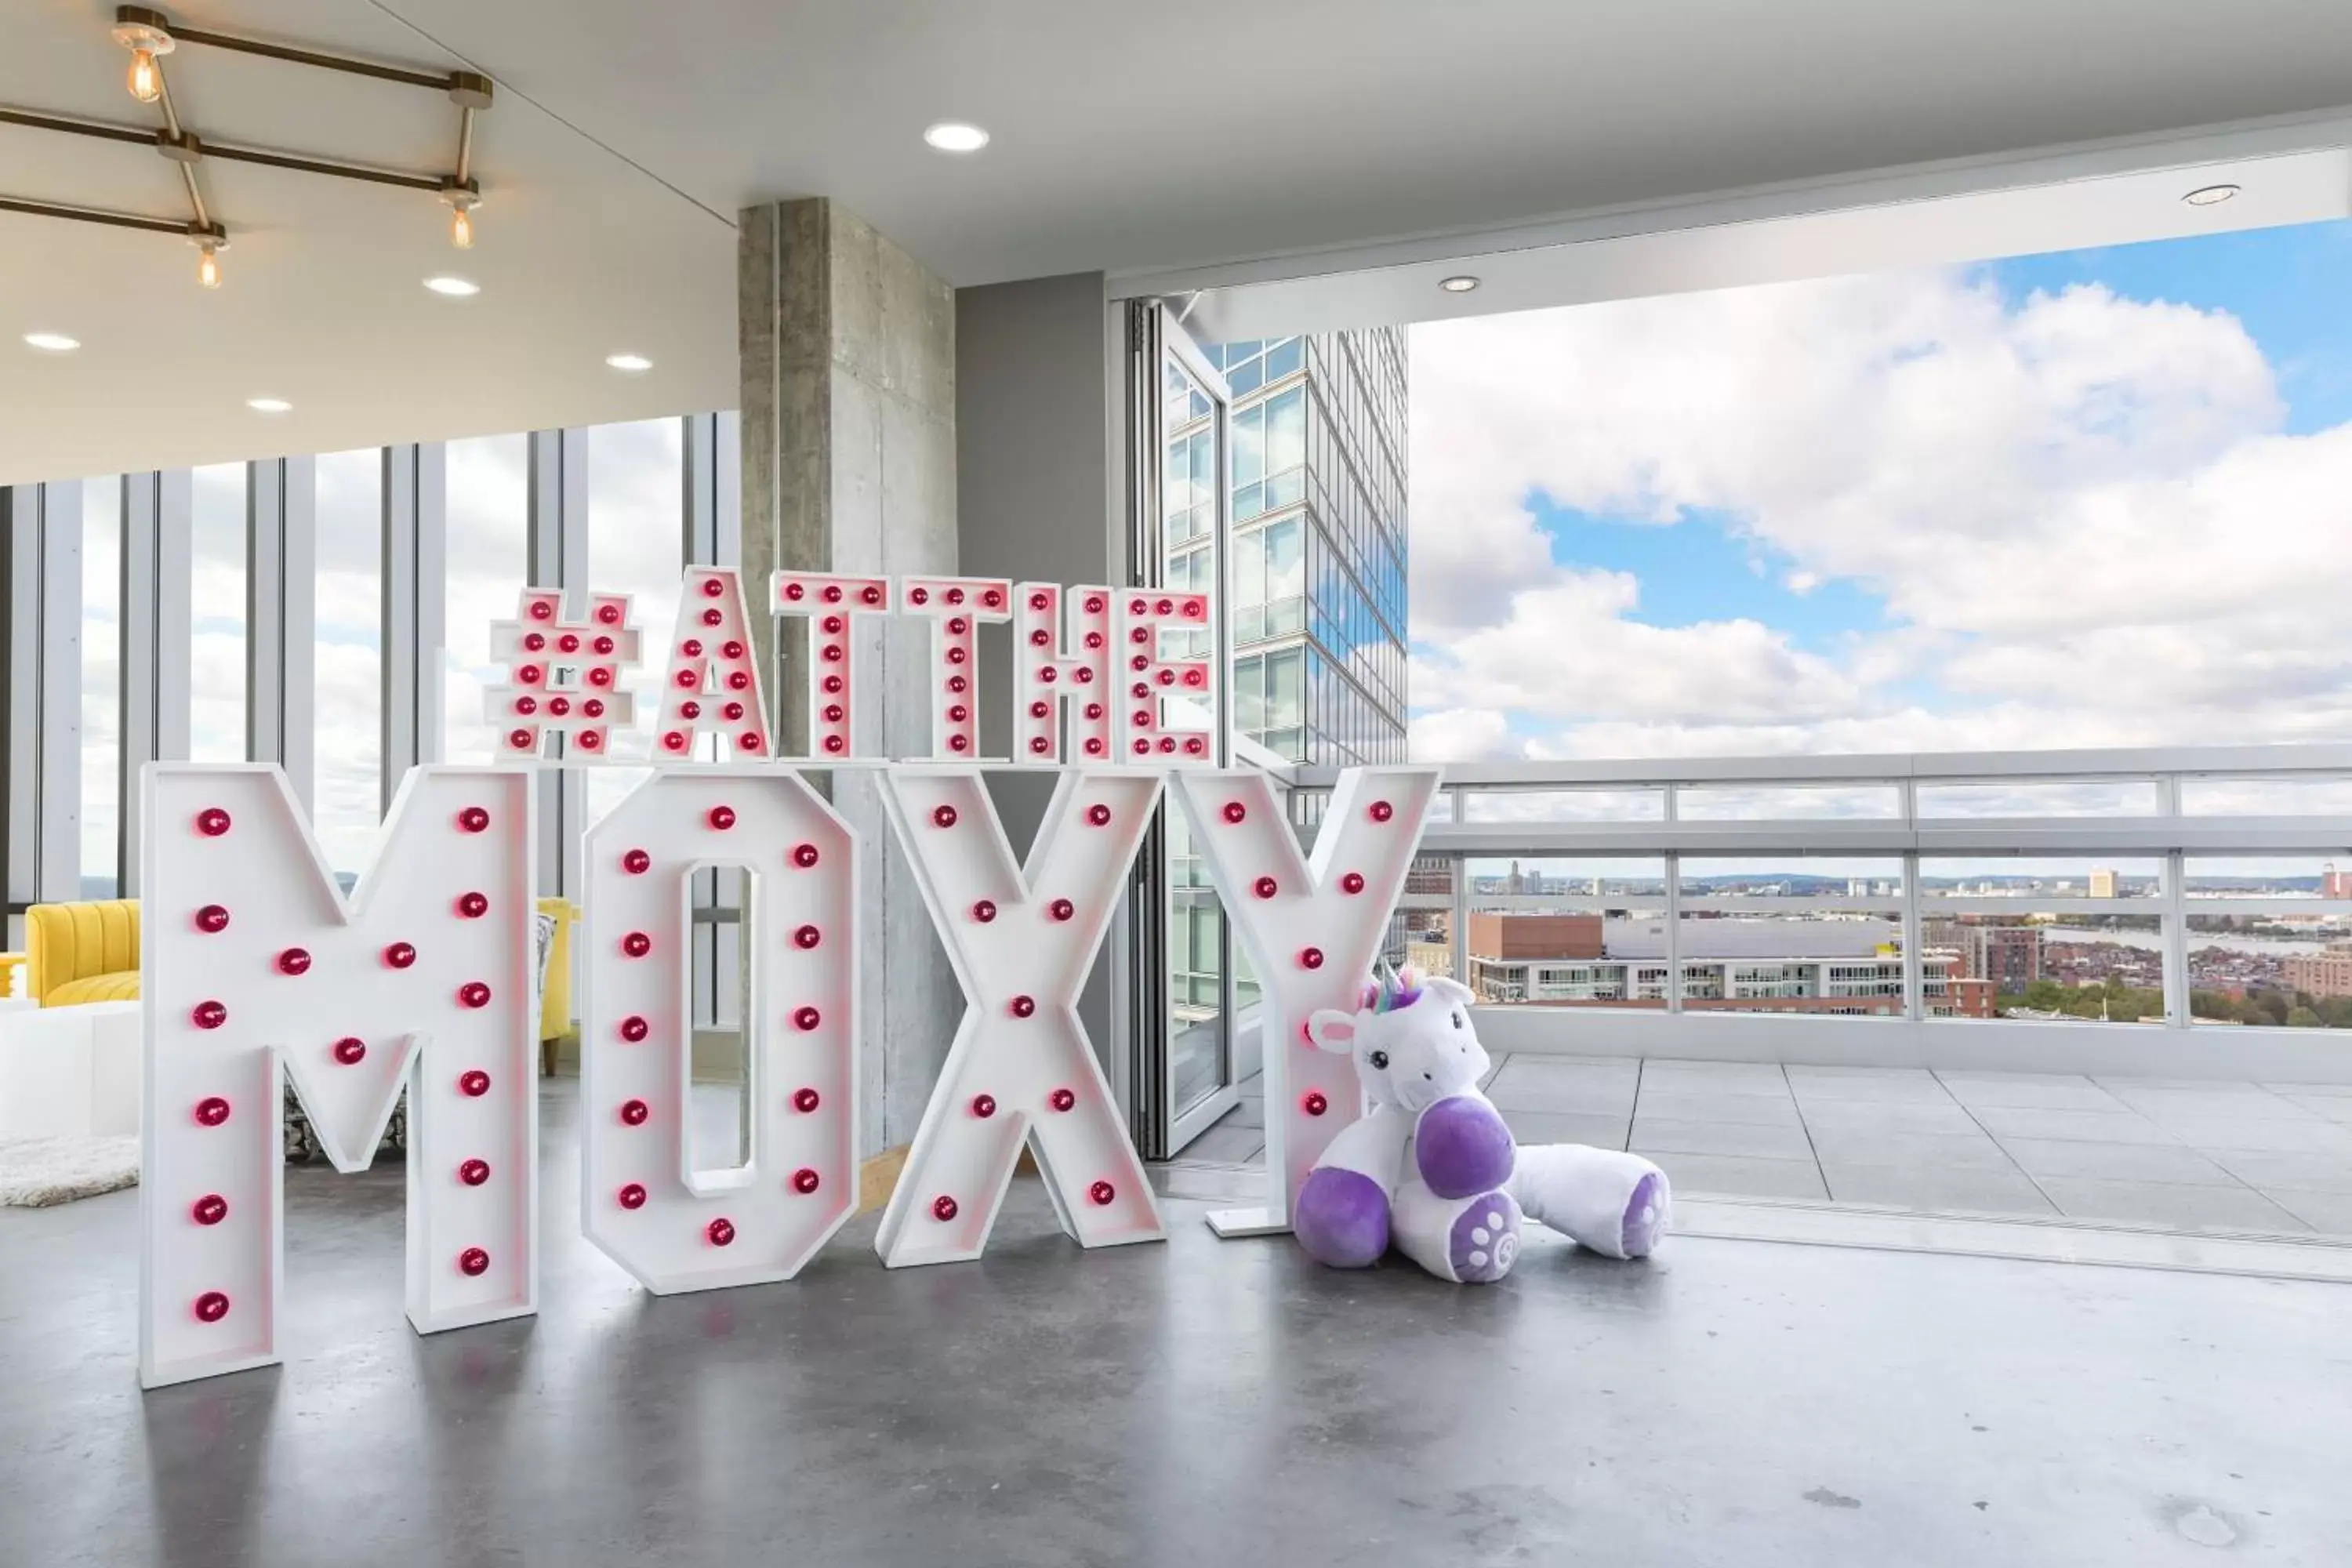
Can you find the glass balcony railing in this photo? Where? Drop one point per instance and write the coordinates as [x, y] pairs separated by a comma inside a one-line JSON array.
[[2179, 889]]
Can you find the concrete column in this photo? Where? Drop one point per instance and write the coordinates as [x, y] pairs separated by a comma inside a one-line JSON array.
[[849, 464]]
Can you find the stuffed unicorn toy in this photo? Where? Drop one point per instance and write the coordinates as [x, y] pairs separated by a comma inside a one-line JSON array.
[[1431, 1167]]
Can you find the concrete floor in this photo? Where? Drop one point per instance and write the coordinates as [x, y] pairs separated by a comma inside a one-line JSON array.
[[2179, 1153], [1729, 1403]]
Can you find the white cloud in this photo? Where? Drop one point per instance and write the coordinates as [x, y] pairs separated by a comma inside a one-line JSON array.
[[1463, 735], [2080, 509]]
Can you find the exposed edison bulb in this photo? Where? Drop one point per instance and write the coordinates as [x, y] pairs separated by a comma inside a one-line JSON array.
[[146, 81], [208, 268], [461, 230]]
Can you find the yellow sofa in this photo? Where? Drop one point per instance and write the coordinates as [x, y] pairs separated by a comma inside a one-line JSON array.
[[89, 953], [555, 1001], [82, 952]]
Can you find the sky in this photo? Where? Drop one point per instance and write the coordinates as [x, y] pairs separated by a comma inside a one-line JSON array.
[[2092, 498], [634, 480]]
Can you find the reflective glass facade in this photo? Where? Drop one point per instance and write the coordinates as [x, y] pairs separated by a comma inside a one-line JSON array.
[[1318, 599]]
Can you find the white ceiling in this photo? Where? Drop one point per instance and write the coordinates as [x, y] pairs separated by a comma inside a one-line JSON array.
[[1130, 138]]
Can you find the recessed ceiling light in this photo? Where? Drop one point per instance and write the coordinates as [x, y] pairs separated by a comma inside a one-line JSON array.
[[455, 288], [955, 136], [2209, 196], [1460, 283], [630, 363], [53, 342], [268, 404]]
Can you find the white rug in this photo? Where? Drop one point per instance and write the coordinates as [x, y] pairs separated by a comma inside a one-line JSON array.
[[38, 1171]]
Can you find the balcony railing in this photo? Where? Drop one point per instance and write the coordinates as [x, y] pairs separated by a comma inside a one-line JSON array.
[[2125, 864]]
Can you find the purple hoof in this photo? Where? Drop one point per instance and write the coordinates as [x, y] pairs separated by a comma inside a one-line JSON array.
[[1461, 1147], [1645, 1215], [1342, 1219], [1485, 1239]]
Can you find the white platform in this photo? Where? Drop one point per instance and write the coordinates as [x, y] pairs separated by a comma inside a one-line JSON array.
[[68, 1071]]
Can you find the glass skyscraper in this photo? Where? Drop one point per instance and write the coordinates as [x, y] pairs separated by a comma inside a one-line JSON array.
[[1316, 602]]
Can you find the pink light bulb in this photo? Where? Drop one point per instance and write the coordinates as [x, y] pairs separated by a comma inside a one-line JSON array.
[[806, 1100], [632, 1197], [211, 822], [351, 1050], [943, 816], [474, 1173], [637, 944], [720, 1232], [983, 911], [1236, 811], [474, 1083], [213, 919], [806, 936], [805, 856], [636, 862], [1062, 1100], [208, 1014], [634, 1028], [1098, 815], [211, 1110], [1310, 958], [399, 955], [805, 1181], [1314, 1103], [1265, 887], [722, 818], [1353, 882], [943, 1209], [984, 1106], [806, 1018], [1023, 1007], [474, 1262], [1382, 811], [210, 1209], [1102, 1192], [1062, 908], [712, 587], [212, 1305], [474, 994], [635, 1112]]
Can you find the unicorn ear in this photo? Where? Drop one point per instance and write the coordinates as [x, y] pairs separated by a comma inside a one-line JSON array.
[[1451, 990], [1332, 1031]]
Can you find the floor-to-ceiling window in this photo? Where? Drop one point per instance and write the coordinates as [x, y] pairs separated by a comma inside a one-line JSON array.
[[216, 732], [101, 685], [347, 661], [487, 550], [636, 546]]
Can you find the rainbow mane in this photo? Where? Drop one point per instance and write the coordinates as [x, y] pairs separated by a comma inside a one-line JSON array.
[[1391, 989]]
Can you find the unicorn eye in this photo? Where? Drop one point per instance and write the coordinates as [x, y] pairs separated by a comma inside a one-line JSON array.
[[1457, 1020], [1380, 1060]]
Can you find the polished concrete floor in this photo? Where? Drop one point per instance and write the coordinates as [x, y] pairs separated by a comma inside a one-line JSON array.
[[2185, 1155], [1729, 1403]]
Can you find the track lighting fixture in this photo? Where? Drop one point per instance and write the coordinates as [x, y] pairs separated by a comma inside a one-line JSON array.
[[150, 34], [146, 33]]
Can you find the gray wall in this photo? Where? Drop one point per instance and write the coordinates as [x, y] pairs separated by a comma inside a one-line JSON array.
[[1038, 394]]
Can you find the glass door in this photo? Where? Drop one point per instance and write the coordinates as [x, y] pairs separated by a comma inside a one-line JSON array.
[[1180, 425]]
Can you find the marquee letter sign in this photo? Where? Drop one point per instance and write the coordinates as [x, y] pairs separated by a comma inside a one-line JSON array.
[[673, 1226], [425, 980], [565, 675], [828, 602], [252, 958], [1312, 928], [713, 684], [1022, 940]]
